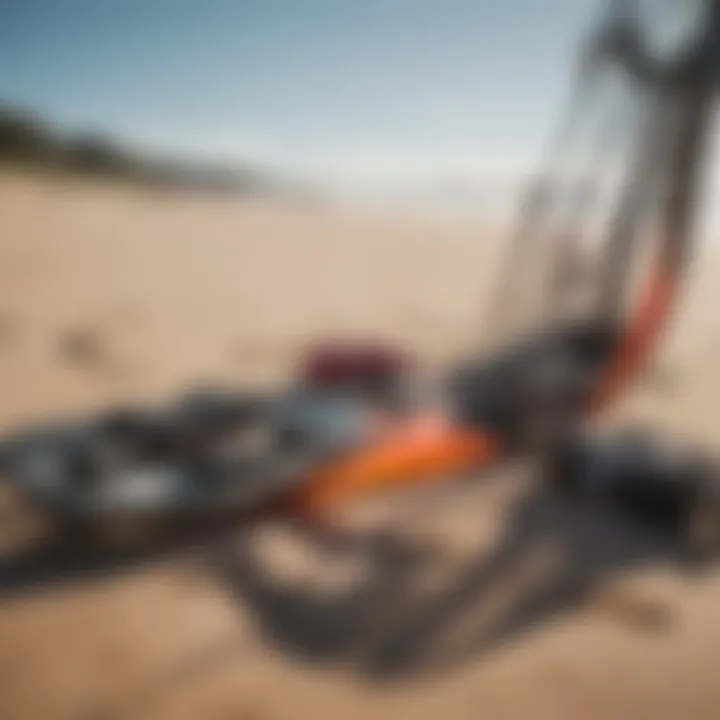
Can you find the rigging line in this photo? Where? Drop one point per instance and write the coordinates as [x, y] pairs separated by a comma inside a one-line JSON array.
[[548, 183], [695, 104], [639, 192], [581, 192], [537, 198], [686, 103], [584, 201]]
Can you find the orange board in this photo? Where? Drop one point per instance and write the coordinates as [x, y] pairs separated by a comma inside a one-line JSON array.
[[416, 452]]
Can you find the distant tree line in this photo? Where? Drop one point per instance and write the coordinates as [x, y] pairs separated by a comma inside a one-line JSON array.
[[27, 140]]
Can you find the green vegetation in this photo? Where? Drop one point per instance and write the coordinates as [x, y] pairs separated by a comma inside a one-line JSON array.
[[29, 141]]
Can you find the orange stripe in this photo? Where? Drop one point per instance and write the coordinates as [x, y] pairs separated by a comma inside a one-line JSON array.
[[638, 340], [416, 453]]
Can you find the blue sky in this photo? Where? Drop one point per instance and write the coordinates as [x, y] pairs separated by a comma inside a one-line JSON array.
[[363, 91]]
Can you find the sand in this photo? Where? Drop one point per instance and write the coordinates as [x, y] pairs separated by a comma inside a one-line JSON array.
[[109, 294]]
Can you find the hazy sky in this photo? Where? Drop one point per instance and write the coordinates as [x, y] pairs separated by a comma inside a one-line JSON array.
[[354, 89]]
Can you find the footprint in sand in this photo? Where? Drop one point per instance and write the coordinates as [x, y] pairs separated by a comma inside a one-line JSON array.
[[82, 346], [86, 348]]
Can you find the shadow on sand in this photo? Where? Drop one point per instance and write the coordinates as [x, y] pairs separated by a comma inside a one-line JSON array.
[[414, 611], [73, 555], [418, 612]]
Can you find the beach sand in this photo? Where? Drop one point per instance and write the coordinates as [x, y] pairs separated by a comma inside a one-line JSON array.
[[109, 294]]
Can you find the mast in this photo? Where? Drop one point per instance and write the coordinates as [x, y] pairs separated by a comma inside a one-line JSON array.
[[684, 91], [661, 129]]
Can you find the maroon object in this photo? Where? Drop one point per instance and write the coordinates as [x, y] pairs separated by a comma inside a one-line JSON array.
[[361, 365]]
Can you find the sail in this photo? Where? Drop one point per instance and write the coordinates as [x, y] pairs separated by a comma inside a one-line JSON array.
[[615, 198]]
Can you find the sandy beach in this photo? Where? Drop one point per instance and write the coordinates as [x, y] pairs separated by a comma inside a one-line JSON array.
[[109, 294]]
